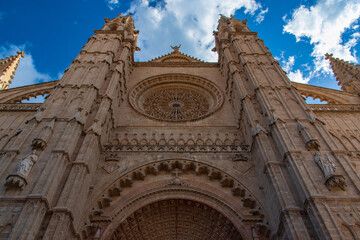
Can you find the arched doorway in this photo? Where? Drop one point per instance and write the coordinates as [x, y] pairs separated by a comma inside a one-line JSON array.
[[127, 207], [176, 219]]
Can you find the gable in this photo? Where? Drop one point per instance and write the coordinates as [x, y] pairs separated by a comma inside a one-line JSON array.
[[176, 56]]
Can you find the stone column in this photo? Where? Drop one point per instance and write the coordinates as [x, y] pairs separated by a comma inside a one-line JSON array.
[[66, 132]]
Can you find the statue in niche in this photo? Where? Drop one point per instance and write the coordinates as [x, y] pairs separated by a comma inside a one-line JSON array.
[[333, 181], [18, 180], [27, 163], [326, 165]]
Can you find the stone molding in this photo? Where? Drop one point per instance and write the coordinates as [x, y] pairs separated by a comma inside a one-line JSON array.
[[163, 193], [335, 107], [175, 192], [32, 107], [114, 149], [176, 64], [214, 225], [238, 190], [325, 94]]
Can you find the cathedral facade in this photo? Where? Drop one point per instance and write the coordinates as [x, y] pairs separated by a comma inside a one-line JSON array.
[[178, 148]]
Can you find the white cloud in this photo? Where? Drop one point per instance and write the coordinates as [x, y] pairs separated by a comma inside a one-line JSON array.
[[297, 76], [261, 16], [287, 65], [112, 3], [26, 73], [324, 25], [167, 23]]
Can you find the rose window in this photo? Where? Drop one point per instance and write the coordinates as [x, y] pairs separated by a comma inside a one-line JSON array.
[[176, 98]]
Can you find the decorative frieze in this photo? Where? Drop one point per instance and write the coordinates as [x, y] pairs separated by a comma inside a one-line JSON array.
[[20, 107], [335, 107], [177, 148]]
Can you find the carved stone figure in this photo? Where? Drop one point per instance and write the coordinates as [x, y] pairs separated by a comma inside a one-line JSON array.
[[18, 180], [179, 148], [326, 165], [27, 163], [176, 48], [328, 168]]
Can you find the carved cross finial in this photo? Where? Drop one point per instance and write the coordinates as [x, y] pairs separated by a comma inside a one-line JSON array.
[[22, 53], [176, 172], [176, 48], [327, 55], [176, 181]]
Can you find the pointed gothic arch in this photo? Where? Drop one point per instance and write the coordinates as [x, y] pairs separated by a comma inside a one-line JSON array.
[[199, 182]]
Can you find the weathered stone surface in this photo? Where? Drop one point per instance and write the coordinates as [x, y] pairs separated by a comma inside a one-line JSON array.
[[230, 150]]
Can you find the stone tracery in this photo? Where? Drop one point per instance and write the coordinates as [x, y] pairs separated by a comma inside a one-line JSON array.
[[176, 104], [176, 97]]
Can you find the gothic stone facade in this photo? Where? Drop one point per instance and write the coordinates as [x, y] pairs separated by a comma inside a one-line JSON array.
[[177, 148]]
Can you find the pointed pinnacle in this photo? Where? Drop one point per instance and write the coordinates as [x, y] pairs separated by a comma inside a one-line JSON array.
[[347, 74]]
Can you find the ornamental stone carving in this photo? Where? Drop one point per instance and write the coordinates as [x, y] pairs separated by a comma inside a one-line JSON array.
[[176, 104], [328, 168], [176, 97], [326, 165], [18, 180], [176, 219], [27, 163]]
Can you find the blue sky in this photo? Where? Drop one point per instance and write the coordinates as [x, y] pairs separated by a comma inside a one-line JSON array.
[[298, 33]]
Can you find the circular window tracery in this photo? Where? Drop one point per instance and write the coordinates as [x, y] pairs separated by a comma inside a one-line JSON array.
[[176, 97]]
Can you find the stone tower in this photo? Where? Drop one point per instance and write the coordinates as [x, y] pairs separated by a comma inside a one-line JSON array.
[[347, 74], [8, 67], [178, 148]]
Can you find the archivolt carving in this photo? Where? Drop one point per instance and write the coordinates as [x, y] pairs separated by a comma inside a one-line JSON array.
[[180, 219], [251, 206], [176, 97]]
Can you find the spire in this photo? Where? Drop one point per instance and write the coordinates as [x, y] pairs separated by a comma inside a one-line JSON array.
[[123, 25], [347, 74], [8, 67]]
